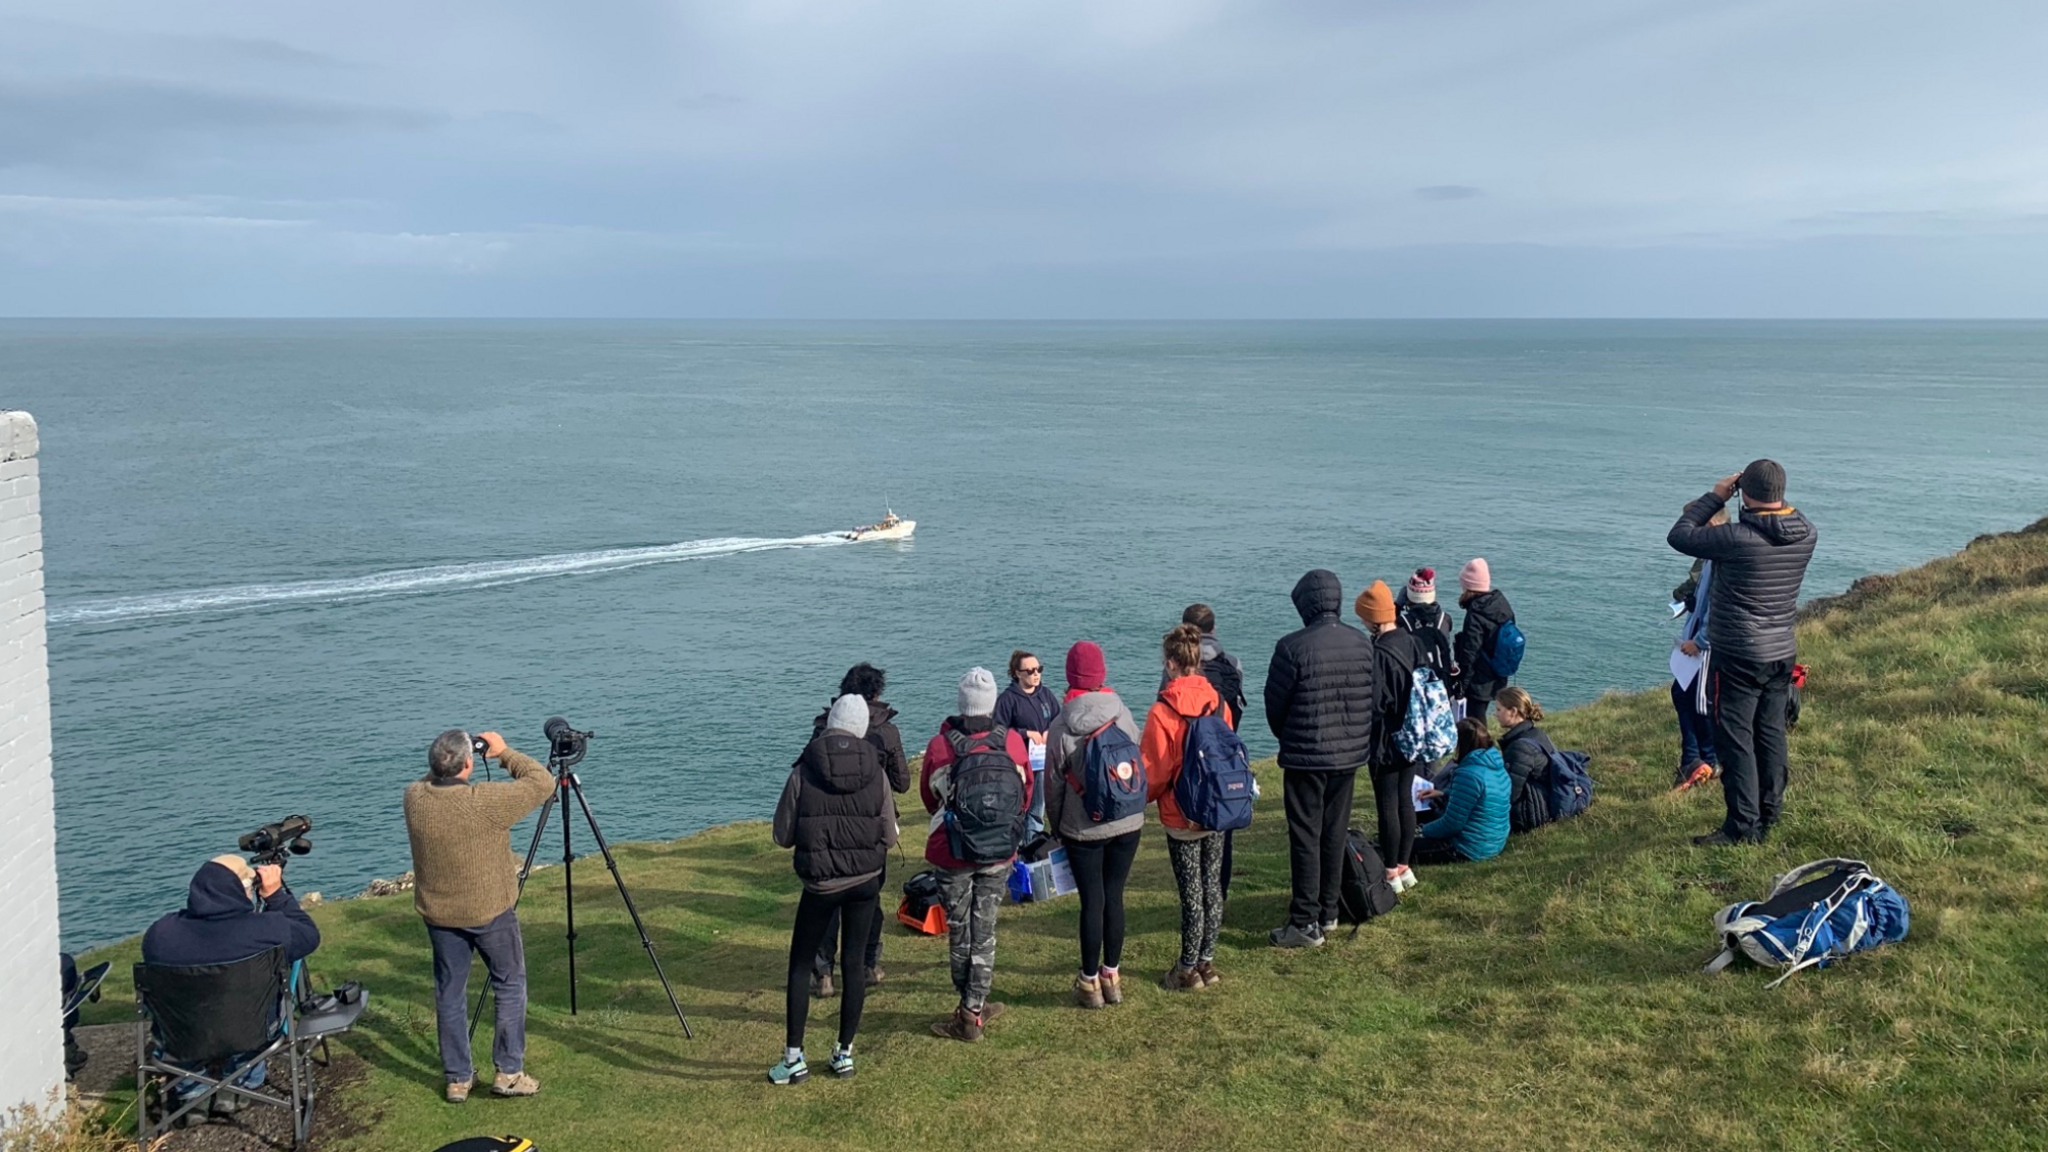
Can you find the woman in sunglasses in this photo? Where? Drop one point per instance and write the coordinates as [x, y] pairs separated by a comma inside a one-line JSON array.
[[1028, 706]]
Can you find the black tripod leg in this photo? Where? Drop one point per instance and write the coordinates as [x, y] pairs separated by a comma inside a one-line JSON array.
[[631, 909], [540, 826]]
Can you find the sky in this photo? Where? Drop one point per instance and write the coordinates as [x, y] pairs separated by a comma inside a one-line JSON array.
[[1092, 159]]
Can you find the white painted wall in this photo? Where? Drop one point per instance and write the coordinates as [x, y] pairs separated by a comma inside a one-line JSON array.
[[32, 1051]]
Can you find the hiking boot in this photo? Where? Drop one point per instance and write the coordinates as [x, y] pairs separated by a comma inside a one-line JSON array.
[[875, 975], [842, 1060], [1700, 774], [790, 1071], [1290, 936], [821, 985], [1718, 838], [1088, 991], [1207, 971], [457, 1091], [514, 1084], [961, 1025], [1179, 979], [991, 1010], [1112, 986]]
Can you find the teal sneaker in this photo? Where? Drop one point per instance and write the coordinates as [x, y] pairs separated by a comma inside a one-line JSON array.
[[789, 1072], [842, 1060]]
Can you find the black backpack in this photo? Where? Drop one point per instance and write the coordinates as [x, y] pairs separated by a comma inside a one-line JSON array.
[[1224, 676], [1364, 893], [985, 799], [1433, 643]]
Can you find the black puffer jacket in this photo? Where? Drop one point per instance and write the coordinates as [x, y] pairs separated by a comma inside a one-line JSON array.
[[1526, 749], [1484, 614], [836, 812], [1395, 655], [1319, 700], [883, 734], [1759, 563]]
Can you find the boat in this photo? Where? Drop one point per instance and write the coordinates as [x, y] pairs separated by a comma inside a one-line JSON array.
[[890, 527]]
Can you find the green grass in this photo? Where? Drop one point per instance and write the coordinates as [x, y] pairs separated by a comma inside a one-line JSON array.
[[1550, 998]]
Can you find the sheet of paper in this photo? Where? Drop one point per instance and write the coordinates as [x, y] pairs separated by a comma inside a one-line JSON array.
[[1684, 669], [1062, 872], [1415, 794], [1037, 754], [1677, 609]]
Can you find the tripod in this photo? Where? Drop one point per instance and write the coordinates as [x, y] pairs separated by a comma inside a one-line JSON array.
[[564, 754]]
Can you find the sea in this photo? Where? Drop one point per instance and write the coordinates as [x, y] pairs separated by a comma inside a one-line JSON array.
[[282, 556]]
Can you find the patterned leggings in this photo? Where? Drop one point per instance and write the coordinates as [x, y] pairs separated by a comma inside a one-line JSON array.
[[1198, 872]]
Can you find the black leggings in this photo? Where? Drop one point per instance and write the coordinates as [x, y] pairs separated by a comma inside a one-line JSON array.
[[856, 909], [1100, 869], [1392, 791]]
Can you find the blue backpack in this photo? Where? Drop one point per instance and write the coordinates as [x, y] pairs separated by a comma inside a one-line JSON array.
[[1428, 732], [1112, 783], [1508, 646], [1214, 789], [1569, 787], [1817, 913]]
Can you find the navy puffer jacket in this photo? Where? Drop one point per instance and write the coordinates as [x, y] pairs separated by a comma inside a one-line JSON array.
[[220, 925], [1319, 687]]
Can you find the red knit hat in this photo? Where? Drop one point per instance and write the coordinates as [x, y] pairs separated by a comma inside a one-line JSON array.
[[1086, 669]]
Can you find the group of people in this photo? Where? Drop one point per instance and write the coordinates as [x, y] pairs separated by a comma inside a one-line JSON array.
[[1014, 765]]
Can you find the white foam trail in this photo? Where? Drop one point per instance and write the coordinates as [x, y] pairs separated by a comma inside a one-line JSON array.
[[414, 581]]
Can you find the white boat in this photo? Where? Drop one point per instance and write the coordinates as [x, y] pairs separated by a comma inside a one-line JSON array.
[[891, 527]]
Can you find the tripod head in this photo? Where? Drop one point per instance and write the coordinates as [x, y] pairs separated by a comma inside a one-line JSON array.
[[566, 746]]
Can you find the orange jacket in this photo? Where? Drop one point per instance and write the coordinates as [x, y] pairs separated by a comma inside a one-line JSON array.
[[1166, 729]]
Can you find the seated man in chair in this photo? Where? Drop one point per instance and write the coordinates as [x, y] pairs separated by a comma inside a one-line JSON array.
[[232, 911]]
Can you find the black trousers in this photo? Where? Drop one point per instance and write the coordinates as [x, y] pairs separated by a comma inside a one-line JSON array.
[[1749, 735], [1318, 813], [828, 947], [814, 910], [1101, 867], [1393, 793]]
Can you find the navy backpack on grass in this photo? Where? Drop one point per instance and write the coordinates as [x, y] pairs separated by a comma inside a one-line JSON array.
[[1569, 788], [1816, 914]]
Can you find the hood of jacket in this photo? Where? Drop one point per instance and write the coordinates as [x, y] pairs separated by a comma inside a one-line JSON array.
[[1413, 616], [1484, 759], [1189, 696], [216, 893], [840, 763], [1490, 606], [1091, 710], [1319, 593], [1782, 528]]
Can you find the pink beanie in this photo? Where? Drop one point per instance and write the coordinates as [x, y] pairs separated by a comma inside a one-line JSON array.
[[1476, 577]]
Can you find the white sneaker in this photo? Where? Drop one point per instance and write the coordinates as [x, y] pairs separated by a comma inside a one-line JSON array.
[[1405, 880]]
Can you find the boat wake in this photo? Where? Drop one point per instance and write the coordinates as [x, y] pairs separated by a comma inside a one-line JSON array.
[[416, 581]]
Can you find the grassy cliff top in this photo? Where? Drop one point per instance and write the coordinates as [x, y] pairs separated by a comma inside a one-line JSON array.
[[1548, 998]]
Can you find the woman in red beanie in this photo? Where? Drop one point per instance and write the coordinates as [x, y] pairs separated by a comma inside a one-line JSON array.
[[1100, 853]]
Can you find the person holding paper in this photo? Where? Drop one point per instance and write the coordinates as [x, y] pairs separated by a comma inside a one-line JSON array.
[[1697, 763], [1028, 706]]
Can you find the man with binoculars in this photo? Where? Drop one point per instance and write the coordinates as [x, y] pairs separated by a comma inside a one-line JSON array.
[[465, 883]]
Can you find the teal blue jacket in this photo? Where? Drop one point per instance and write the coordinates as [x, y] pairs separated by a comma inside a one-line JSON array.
[[1475, 818]]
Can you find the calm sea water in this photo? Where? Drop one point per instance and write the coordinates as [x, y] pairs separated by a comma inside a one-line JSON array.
[[283, 556]]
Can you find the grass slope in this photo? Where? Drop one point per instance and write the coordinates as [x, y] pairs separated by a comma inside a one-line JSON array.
[[1549, 998]]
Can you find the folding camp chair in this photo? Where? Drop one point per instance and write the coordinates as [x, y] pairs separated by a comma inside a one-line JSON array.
[[208, 1027]]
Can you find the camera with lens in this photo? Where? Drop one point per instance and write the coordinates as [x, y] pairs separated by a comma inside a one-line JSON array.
[[272, 843], [566, 745]]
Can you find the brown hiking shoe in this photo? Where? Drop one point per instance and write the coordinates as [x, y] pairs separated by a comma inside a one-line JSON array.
[[821, 985], [992, 1009], [1207, 971], [458, 1091], [1179, 979], [514, 1084], [1112, 986], [1088, 991], [961, 1025], [876, 975]]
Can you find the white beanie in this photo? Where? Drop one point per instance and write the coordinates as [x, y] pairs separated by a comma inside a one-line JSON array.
[[849, 714], [977, 693]]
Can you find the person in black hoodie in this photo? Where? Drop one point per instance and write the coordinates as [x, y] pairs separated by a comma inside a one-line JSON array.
[[1395, 656], [1526, 750], [1485, 611], [867, 682], [1319, 704], [836, 812]]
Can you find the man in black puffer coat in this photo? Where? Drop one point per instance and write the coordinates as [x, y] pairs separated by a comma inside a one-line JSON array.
[[1759, 563], [1319, 704]]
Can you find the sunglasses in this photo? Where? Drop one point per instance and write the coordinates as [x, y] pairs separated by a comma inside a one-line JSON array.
[[1029, 671]]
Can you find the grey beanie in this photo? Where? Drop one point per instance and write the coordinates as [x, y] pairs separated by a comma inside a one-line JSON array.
[[977, 693], [849, 714]]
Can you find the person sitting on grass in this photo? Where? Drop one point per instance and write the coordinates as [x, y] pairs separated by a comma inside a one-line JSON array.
[[1525, 749], [837, 813], [1474, 825]]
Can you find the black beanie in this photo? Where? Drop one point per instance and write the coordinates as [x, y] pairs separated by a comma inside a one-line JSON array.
[[1763, 482]]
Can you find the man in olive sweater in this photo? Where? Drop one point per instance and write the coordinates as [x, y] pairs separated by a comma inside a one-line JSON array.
[[465, 882]]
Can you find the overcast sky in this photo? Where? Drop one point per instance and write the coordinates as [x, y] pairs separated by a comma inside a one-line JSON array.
[[1093, 158]]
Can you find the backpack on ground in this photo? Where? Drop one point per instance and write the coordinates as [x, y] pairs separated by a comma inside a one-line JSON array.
[[924, 905], [1112, 782], [984, 809], [1817, 913], [1224, 676], [1363, 893], [1568, 787], [1508, 646], [1428, 732], [1214, 789]]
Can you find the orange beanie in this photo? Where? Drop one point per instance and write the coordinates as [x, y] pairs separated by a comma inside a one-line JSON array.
[[1375, 605]]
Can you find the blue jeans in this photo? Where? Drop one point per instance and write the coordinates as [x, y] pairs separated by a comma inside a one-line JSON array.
[[504, 954], [1695, 729]]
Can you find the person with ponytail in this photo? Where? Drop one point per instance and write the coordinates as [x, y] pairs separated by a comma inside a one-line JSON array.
[[1526, 751], [1196, 852]]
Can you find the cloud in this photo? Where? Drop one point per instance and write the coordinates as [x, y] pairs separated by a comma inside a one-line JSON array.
[[1448, 192]]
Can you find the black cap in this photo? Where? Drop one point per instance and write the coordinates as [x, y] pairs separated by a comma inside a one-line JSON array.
[[1763, 482]]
